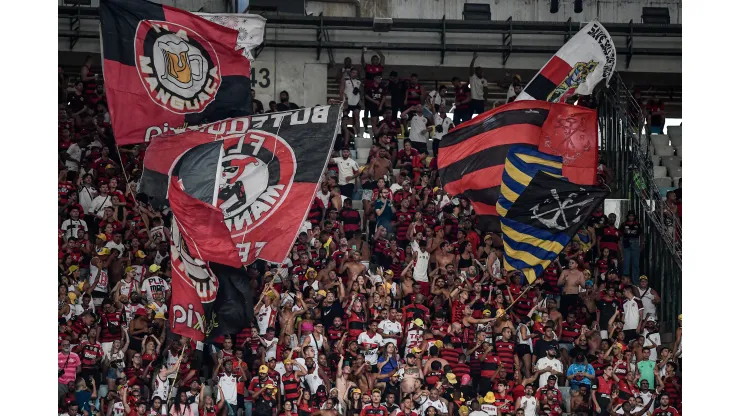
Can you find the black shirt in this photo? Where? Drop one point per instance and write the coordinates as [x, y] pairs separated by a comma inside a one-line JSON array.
[[76, 102], [328, 314], [287, 107], [607, 309], [398, 92], [631, 230]]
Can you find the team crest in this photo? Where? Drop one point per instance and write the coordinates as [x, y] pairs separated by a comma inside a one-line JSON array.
[[257, 173], [177, 66], [195, 271], [570, 133], [576, 77]]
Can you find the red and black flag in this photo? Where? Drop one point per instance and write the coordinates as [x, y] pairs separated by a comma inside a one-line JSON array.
[[166, 68], [472, 156]]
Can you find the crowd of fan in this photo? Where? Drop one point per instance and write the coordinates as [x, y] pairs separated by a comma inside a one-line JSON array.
[[390, 303]]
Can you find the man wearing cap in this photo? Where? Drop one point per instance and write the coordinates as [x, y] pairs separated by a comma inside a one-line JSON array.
[[551, 386], [155, 283], [648, 296], [651, 332], [550, 365]]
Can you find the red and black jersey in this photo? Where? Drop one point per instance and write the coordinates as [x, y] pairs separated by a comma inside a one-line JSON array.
[[673, 391], [450, 354], [474, 363], [621, 370], [459, 369], [550, 278], [371, 70], [504, 403], [599, 367], [90, 354], [403, 221], [133, 375], [315, 212], [525, 304], [375, 91], [462, 93], [415, 310], [382, 247], [570, 332], [355, 324], [65, 188], [432, 377], [541, 393], [505, 351], [669, 411], [110, 326], [335, 334], [393, 126], [291, 387], [407, 157], [626, 391], [370, 410], [489, 365], [429, 220], [350, 218], [413, 94], [610, 239], [398, 266], [79, 327]]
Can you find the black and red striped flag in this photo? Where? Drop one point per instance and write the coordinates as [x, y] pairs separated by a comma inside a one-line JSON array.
[[166, 68], [472, 156]]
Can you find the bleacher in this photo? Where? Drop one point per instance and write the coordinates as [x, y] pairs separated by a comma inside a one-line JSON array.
[[665, 151]]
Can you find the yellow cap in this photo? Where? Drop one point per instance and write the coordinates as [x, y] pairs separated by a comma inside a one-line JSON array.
[[438, 343], [488, 237], [451, 378], [154, 268], [416, 350], [500, 312], [102, 236], [310, 270], [356, 390], [389, 272], [418, 322], [486, 312], [128, 269], [322, 292], [376, 391], [264, 369], [464, 410], [103, 251], [268, 273], [643, 277], [680, 316], [140, 254], [490, 398], [287, 361], [72, 297], [72, 269], [537, 318]]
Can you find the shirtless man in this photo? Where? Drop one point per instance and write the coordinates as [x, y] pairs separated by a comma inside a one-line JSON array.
[[380, 165], [444, 255], [358, 244], [343, 382], [288, 315], [435, 242], [572, 279], [504, 322], [411, 374], [353, 265], [555, 315]]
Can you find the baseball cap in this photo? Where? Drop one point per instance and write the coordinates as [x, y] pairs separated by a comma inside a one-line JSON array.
[[73, 269], [128, 269], [552, 377], [487, 312], [465, 379], [418, 322], [416, 350], [680, 317], [154, 268], [322, 292], [140, 254], [263, 369], [551, 347], [490, 398], [103, 251], [650, 318], [451, 378], [102, 236], [72, 297], [643, 277], [389, 272]]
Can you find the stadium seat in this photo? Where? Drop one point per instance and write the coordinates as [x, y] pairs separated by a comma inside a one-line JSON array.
[[656, 160], [362, 155], [664, 151], [670, 161], [678, 151], [663, 182], [664, 189], [676, 142], [352, 154], [674, 132], [363, 142], [674, 172], [659, 140], [660, 171], [677, 182]]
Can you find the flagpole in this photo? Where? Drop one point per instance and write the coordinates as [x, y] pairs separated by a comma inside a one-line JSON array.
[[519, 297], [174, 380]]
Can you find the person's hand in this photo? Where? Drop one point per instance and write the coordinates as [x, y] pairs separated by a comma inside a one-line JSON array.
[[348, 178], [597, 408]]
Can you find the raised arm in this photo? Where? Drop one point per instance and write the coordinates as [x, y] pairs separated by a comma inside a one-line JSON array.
[[471, 71]]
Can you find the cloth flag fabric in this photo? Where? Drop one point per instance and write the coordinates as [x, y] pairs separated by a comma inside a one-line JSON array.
[[472, 156], [586, 59], [251, 28], [262, 180], [540, 210], [166, 68]]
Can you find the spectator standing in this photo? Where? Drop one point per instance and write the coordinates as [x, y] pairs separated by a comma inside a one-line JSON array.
[[348, 171], [351, 92], [633, 315], [462, 110], [397, 90], [549, 365], [632, 243], [414, 92], [649, 297], [69, 366], [418, 127], [656, 115], [477, 88], [375, 95], [442, 125], [88, 77]]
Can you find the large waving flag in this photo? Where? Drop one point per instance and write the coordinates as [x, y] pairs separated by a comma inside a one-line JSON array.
[[540, 210], [471, 157], [586, 59], [166, 68]]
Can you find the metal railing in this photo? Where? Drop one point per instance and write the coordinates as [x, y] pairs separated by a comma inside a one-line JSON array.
[[626, 151]]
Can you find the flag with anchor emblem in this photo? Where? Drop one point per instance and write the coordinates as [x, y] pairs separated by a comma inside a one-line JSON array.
[[540, 210]]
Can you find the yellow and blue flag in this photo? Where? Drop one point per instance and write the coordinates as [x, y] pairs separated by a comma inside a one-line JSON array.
[[540, 210]]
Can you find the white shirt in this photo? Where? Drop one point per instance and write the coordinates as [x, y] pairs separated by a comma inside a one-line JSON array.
[[478, 413], [436, 98], [349, 91], [646, 297], [75, 152], [194, 405], [489, 409], [264, 316], [97, 207], [390, 327], [153, 284], [476, 87], [323, 197], [102, 282], [370, 345], [420, 268], [545, 362], [529, 404], [445, 123], [347, 167], [631, 313], [86, 195], [656, 339], [438, 404], [70, 226], [417, 128], [228, 386]]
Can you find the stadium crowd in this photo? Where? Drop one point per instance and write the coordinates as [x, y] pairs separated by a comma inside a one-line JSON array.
[[390, 303]]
